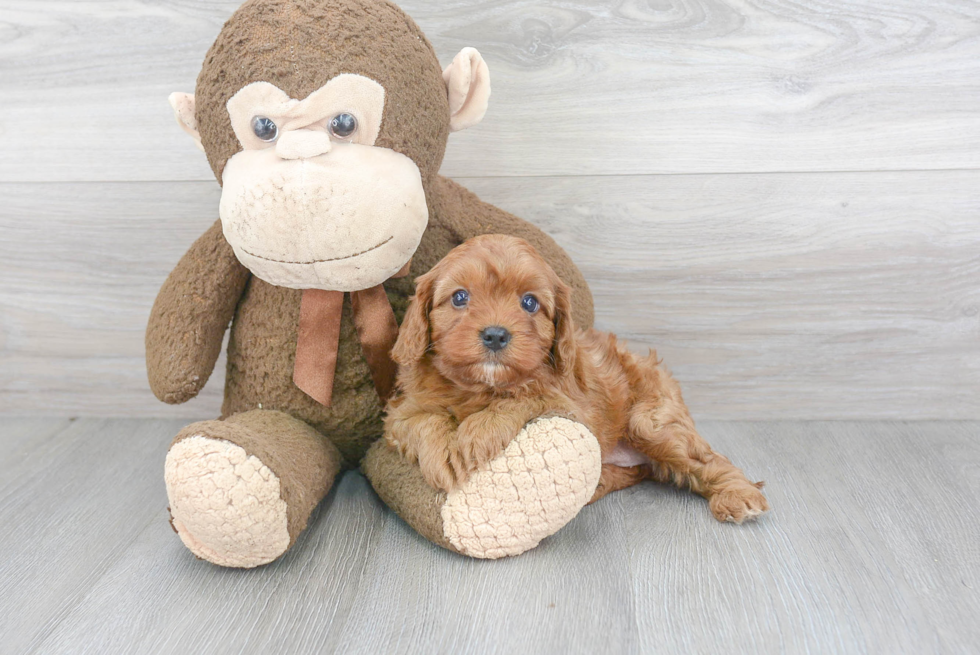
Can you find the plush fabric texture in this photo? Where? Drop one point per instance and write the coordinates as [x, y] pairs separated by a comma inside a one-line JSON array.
[[468, 82], [285, 230], [400, 484], [185, 111], [225, 505], [202, 294], [301, 461], [190, 315], [184, 338], [356, 94], [300, 45], [537, 485]]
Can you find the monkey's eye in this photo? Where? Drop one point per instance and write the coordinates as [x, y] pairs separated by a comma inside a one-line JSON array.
[[529, 303], [265, 129], [343, 125], [460, 298]]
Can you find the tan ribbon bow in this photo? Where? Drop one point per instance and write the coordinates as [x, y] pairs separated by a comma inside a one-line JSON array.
[[318, 339]]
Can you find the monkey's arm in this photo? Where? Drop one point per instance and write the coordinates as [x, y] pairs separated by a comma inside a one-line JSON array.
[[467, 216], [190, 316]]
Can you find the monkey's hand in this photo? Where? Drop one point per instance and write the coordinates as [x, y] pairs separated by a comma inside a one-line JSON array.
[[190, 316]]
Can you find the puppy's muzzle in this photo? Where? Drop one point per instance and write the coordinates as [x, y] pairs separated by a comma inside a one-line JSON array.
[[495, 338]]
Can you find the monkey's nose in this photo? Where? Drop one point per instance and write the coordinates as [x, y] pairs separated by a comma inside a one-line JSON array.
[[495, 338], [303, 144]]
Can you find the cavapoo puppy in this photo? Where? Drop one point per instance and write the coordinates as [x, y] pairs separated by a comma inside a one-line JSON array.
[[488, 345]]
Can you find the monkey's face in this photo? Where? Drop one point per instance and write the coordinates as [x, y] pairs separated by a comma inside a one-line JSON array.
[[324, 119], [310, 201]]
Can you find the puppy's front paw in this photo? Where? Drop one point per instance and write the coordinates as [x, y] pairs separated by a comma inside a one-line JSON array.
[[480, 438], [436, 467], [736, 504]]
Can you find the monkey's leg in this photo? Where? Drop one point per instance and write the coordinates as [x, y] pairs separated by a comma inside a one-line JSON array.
[[530, 491], [242, 489]]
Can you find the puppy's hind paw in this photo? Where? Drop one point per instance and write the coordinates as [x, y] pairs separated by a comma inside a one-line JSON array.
[[738, 504]]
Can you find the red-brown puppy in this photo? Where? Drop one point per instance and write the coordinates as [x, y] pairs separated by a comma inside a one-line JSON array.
[[488, 344]]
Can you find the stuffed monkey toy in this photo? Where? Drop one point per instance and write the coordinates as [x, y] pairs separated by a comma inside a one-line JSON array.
[[325, 122]]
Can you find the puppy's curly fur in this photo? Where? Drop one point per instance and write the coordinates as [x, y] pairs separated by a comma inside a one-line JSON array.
[[464, 392]]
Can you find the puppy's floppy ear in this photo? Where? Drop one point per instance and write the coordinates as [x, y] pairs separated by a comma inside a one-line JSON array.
[[563, 348], [413, 335]]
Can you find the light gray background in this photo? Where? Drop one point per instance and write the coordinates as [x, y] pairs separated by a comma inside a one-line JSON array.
[[782, 196]]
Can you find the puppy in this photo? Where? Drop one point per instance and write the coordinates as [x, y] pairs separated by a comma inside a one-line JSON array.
[[488, 344]]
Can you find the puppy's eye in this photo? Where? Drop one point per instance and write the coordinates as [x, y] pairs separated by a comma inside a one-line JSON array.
[[529, 303], [460, 298], [343, 125], [265, 129]]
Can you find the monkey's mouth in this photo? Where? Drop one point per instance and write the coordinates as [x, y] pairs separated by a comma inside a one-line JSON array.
[[319, 261]]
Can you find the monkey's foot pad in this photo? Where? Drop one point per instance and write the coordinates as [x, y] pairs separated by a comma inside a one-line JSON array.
[[225, 504], [539, 483]]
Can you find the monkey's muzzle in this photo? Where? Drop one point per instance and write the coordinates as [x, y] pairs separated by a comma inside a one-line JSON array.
[[343, 221]]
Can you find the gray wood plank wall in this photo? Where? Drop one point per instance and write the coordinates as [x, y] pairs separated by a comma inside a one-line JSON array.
[[782, 197]]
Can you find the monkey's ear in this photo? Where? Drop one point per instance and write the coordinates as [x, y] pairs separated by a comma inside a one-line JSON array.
[[184, 111], [468, 82]]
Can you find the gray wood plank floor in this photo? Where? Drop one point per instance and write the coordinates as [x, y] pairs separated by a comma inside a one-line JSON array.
[[873, 546]]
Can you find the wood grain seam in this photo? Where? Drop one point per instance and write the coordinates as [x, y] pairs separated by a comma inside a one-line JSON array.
[[462, 178]]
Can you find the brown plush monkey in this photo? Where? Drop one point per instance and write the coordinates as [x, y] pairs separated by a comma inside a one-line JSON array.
[[326, 122]]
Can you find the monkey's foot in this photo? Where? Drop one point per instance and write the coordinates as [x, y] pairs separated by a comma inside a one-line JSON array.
[[225, 505], [242, 489], [529, 492]]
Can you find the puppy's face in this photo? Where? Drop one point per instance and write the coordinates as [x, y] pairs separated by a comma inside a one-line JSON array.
[[491, 314]]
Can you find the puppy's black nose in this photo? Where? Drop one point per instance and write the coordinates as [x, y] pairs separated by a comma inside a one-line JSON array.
[[495, 338]]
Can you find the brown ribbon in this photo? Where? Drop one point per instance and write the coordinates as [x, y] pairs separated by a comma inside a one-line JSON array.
[[318, 339]]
